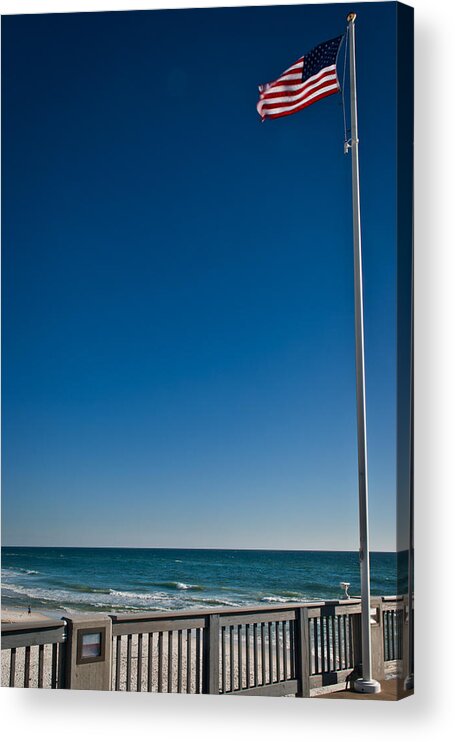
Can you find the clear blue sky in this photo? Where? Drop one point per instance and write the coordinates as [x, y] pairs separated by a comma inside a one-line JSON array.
[[178, 330]]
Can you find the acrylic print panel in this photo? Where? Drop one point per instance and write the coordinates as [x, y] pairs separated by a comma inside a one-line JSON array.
[[207, 303]]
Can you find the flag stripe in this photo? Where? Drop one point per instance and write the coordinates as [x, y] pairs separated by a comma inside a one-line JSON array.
[[275, 87], [288, 101], [328, 89], [296, 69], [291, 103], [297, 66], [291, 76], [286, 112], [279, 97]]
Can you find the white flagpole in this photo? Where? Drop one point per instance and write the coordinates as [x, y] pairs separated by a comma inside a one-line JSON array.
[[409, 679], [365, 684]]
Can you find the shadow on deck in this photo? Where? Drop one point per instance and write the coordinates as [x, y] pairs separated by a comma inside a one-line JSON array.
[[391, 690]]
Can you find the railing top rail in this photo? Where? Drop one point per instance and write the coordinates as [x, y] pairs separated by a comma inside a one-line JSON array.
[[244, 610], [32, 633], [24, 627]]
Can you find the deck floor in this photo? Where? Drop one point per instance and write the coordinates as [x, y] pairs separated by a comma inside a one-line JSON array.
[[391, 690]]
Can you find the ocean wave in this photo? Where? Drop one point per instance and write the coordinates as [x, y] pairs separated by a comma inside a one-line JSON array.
[[280, 599], [73, 598], [178, 585], [18, 572], [87, 588], [215, 601], [6, 573], [39, 594], [109, 600], [146, 597]]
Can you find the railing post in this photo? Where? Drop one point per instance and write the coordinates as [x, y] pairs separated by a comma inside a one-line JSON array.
[[61, 662], [406, 650], [211, 655], [356, 638], [377, 641], [88, 656], [302, 664]]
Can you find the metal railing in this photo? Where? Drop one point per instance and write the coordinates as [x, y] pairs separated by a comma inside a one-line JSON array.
[[36, 659], [156, 653], [284, 650], [290, 649], [393, 625]]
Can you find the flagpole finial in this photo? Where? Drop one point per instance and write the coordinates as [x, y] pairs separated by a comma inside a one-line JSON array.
[[351, 17]]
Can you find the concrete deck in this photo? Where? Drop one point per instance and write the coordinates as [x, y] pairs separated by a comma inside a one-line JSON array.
[[391, 690]]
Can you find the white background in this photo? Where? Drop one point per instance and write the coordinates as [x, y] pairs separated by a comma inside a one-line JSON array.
[[63, 715]]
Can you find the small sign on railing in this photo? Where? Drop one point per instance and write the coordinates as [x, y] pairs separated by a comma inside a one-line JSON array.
[[90, 646]]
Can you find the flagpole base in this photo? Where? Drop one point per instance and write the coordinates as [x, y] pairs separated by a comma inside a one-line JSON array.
[[367, 686], [409, 682]]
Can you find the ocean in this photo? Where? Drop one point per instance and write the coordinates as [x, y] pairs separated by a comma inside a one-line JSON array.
[[82, 579]]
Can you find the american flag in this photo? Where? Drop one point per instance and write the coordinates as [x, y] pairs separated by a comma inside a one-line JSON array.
[[312, 77]]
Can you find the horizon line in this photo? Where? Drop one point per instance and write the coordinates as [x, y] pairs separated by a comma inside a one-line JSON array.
[[201, 548]]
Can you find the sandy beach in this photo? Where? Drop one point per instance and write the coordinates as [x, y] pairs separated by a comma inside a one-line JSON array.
[[13, 615]]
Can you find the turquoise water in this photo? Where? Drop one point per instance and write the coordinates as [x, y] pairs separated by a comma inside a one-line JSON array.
[[62, 579]]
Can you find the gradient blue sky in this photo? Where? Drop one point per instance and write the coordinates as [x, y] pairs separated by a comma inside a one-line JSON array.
[[178, 329]]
